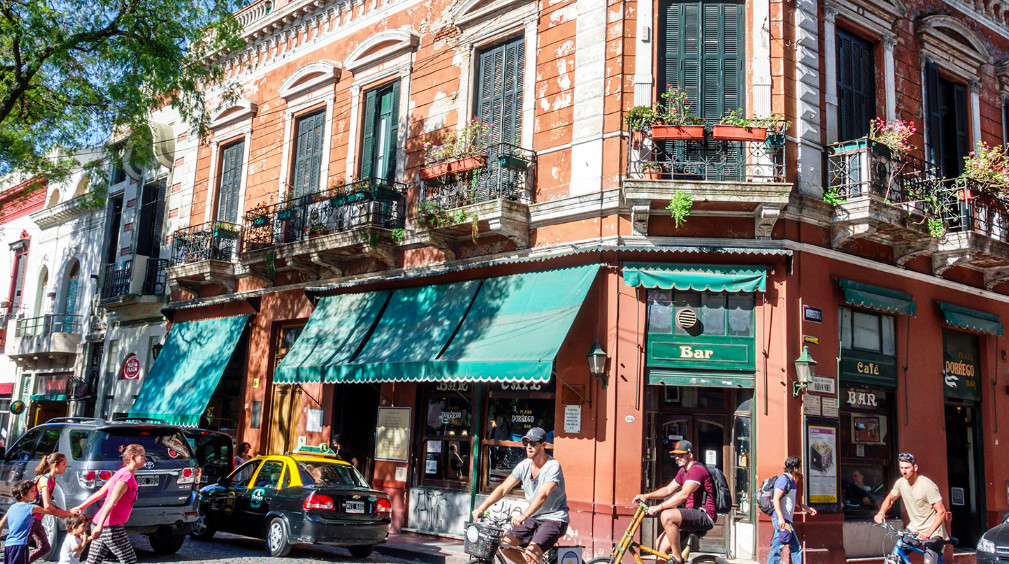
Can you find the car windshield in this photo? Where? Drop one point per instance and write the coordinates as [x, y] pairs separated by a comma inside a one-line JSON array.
[[329, 474], [159, 444]]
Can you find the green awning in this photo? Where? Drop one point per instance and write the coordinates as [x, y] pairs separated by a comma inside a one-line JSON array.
[[43, 397], [698, 277], [334, 333], [187, 370], [515, 327], [706, 379], [879, 299], [971, 319], [413, 330]]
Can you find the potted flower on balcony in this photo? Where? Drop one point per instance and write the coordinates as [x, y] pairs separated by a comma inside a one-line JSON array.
[[640, 119], [652, 171], [891, 137], [461, 151], [734, 126], [224, 230], [985, 173], [316, 230], [677, 121]]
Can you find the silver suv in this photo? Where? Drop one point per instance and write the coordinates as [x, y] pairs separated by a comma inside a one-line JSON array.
[[168, 499]]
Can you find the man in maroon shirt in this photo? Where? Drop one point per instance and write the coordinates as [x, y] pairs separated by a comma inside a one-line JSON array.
[[693, 488]]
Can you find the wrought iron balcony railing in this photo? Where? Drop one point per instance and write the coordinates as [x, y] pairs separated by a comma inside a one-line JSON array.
[[156, 277], [216, 240], [509, 173], [862, 167], [117, 280], [969, 210], [668, 153], [46, 324], [362, 203]]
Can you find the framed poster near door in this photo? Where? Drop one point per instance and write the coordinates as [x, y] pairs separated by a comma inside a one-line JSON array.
[[820, 459]]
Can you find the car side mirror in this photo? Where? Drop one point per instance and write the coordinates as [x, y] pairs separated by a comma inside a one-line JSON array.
[[223, 481]]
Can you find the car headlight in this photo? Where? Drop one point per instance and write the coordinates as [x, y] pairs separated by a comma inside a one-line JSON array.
[[986, 545], [473, 534]]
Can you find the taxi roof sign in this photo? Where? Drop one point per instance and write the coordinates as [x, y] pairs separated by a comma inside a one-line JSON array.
[[321, 449]]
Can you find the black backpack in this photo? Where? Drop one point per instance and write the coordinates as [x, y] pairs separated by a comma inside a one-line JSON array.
[[765, 495], [723, 497]]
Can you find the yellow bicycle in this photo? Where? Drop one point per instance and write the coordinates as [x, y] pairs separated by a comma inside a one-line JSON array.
[[627, 544]]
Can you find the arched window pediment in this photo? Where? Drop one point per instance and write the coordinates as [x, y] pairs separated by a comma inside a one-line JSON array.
[[239, 110], [953, 46], [472, 11], [310, 77], [380, 48]]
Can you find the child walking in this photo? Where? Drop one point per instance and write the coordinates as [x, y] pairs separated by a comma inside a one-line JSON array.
[[73, 545], [52, 465], [19, 519]]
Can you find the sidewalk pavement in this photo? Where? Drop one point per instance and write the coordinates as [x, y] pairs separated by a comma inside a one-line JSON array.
[[429, 549]]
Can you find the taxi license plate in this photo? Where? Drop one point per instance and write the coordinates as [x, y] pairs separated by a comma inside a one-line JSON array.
[[148, 480], [354, 506]]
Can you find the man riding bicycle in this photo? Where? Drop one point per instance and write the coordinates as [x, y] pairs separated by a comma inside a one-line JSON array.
[[926, 514], [545, 521], [694, 487]]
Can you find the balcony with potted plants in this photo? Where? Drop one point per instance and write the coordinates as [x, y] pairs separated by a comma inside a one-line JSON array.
[[204, 254], [976, 218], [473, 185], [317, 233], [676, 160], [141, 280], [881, 193]]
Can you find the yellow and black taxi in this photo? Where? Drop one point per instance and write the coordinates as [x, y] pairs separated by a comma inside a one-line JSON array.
[[302, 497]]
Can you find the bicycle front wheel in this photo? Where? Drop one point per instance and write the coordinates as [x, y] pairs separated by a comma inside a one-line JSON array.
[[601, 560]]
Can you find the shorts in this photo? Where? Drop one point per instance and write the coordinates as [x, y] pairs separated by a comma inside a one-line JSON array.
[[543, 532], [695, 520], [16, 554]]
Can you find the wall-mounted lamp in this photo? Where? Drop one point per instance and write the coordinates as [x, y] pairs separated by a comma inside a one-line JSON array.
[[156, 350], [597, 363], [805, 369]]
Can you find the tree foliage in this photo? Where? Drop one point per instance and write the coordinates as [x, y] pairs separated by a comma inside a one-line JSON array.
[[74, 72]]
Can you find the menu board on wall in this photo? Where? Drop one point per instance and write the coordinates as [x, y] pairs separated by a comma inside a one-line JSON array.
[[392, 434], [961, 367], [821, 463]]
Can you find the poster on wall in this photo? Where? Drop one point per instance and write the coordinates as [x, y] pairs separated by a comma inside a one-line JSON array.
[[821, 459], [392, 434]]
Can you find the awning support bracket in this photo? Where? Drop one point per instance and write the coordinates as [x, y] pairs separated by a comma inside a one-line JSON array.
[[381, 393], [572, 388], [304, 391]]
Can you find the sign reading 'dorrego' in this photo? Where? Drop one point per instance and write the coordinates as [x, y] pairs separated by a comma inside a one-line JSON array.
[[131, 367]]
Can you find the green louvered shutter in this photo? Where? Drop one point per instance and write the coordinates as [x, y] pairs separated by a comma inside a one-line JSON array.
[[231, 181], [368, 138], [962, 129], [933, 113], [389, 174], [308, 153], [381, 128], [856, 86], [499, 103]]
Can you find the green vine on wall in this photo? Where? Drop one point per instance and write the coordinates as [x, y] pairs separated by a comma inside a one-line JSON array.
[[679, 207]]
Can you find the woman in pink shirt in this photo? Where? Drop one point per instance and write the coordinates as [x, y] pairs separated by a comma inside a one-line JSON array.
[[108, 532]]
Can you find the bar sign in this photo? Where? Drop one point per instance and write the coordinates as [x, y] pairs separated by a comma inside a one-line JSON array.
[[813, 314]]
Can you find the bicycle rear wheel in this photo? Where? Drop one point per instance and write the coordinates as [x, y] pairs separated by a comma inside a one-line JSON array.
[[601, 560]]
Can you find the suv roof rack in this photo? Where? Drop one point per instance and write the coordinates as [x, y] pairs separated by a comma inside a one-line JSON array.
[[128, 419], [94, 420]]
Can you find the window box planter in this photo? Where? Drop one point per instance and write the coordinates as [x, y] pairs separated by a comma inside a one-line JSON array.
[[314, 234], [436, 170], [261, 221], [673, 132], [512, 162], [722, 132], [225, 234], [285, 214], [652, 171], [775, 139], [467, 164]]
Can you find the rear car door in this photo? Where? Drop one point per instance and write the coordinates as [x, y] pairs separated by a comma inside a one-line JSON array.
[[168, 477], [17, 459], [264, 490]]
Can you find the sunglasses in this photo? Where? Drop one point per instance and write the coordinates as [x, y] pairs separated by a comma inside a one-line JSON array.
[[527, 442], [906, 457]]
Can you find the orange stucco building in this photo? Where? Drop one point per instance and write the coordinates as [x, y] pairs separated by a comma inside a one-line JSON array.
[[334, 199]]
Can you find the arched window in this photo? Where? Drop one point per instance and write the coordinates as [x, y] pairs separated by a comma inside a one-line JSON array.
[[40, 295], [70, 298], [54, 199]]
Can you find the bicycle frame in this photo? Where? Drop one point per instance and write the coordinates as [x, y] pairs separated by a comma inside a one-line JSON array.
[[901, 550], [627, 543]]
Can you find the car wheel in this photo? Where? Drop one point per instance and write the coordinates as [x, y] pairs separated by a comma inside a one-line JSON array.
[[55, 537], [165, 542], [202, 529], [361, 551], [276, 538]]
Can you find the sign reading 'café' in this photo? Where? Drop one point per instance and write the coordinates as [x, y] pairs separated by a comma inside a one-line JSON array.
[[961, 365]]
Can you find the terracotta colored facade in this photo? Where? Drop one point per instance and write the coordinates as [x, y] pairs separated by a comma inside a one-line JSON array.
[[584, 64]]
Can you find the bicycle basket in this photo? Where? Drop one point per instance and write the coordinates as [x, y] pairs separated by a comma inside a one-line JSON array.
[[486, 543]]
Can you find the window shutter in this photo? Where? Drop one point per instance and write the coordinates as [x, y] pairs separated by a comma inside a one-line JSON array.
[[19, 279], [392, 139], [1005, 124], [732, 67], [856, 86], [962, 129], [308, 156], [368, 139], [932, 108], [499, 96], [231, 180]]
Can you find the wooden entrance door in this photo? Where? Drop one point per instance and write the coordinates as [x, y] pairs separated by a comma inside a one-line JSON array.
[[286, 406], [710, 435]]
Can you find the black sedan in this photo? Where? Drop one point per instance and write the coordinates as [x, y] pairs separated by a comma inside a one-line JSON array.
[[994, 544], [298, 498]]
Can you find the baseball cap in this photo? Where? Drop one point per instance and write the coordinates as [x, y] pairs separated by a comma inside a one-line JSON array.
[[682, 447], [535, 435]]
